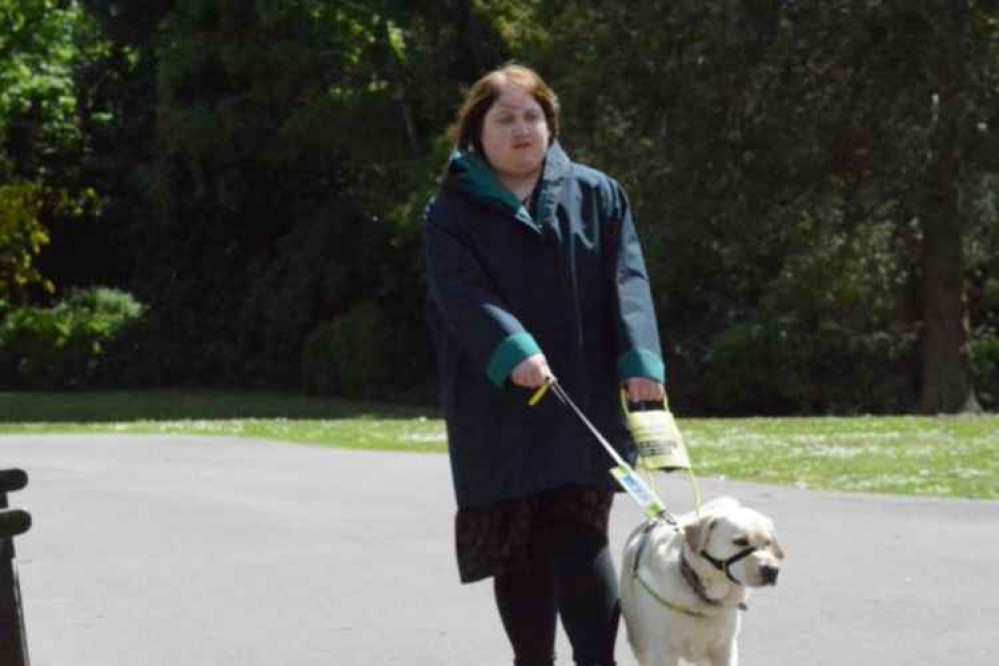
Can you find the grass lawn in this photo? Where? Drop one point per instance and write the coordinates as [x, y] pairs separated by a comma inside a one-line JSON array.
[[941, 456]]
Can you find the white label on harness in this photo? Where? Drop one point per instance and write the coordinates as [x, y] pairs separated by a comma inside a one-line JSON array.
[[639, 491]]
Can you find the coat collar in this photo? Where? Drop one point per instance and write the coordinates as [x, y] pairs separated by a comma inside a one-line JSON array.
[[469, 173]]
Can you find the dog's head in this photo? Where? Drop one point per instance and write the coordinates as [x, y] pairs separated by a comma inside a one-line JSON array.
[[737, 541]]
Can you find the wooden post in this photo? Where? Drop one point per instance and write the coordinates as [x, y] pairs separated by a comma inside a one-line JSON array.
[[13, 642]]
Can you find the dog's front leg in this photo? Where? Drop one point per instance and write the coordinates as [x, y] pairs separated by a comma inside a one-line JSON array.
[[661, 657], [726, 655]]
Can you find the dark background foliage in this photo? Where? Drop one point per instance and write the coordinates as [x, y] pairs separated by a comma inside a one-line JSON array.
[[815, 185]]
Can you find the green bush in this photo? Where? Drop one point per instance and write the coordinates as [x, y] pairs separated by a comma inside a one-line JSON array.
[[748, 362], [824, 336], [985, 368], [354, 355], [782, 366], [63, 346]]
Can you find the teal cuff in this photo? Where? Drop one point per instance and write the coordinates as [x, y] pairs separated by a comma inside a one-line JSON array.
[[508, 355], [641, 363]]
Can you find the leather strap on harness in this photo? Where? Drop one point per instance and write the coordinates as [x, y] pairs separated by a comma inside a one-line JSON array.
[[726, 565]]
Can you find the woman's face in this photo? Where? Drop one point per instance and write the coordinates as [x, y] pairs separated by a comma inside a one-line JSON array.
[[515, 134]]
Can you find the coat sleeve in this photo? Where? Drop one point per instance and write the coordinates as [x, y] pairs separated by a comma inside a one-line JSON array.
[[638, 348], [471, 311]]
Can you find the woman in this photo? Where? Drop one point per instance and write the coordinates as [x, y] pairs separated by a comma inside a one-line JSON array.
[[535, 271]]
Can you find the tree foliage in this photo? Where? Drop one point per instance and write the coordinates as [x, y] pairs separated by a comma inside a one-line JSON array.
[[764, 140], [37, 99], [41, 136], [293, 142], [815, 183], [22, 237]]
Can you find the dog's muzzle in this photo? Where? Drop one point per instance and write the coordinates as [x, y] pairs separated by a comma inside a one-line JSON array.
[[768, 572]]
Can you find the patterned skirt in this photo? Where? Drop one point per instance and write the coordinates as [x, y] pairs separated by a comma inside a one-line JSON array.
[[497, 539]]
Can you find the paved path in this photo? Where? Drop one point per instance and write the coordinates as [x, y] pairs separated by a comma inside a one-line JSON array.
[[150, 551]]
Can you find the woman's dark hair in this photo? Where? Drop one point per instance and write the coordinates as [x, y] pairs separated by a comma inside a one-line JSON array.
[[467, 129]]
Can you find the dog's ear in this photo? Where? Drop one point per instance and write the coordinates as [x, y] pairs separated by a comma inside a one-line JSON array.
[[775, 548], [699, 532]]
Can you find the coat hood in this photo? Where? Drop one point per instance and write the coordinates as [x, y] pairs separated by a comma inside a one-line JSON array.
[[469, 173]]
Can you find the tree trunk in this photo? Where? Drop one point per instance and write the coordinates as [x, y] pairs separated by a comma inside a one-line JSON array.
[[945, 385]]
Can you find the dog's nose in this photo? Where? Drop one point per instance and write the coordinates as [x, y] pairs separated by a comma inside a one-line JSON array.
[[769, 574]]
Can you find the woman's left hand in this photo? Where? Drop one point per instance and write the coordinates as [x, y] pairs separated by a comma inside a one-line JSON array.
[[641, 389]]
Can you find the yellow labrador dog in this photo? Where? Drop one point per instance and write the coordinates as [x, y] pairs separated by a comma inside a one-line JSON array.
[[683, 584]]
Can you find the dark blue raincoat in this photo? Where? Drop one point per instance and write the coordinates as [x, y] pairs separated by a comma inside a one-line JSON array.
[[503, 284]]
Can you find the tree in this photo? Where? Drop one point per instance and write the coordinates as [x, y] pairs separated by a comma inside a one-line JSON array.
[[964, 37], [37, 100], [929, 98], [752, 133], [40, 136], [22, 237], [296, 145]]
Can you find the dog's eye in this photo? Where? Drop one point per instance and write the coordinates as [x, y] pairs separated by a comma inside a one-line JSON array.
[[742, 542]]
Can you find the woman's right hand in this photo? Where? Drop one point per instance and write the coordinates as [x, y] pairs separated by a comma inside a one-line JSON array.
[[532, 372]]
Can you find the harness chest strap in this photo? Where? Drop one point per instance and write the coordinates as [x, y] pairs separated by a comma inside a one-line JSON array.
[[669, 604]]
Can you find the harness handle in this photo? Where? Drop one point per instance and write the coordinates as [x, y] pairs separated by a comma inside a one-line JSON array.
[[660, 443], [650, 431]]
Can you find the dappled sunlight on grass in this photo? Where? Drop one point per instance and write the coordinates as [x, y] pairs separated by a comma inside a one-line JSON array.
[[419, 434], [914, 455], [950, 456]]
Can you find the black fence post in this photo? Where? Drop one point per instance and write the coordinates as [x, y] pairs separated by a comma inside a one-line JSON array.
[[13, 642]]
